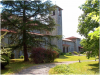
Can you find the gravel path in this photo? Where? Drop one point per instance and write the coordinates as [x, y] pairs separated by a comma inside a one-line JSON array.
[[43, 68]]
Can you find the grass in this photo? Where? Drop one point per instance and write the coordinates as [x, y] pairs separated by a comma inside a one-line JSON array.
[[91, 67], [64, 58], [15, 66]]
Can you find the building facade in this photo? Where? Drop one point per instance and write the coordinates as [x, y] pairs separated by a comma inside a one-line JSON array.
[[71, 44], [57, 16]]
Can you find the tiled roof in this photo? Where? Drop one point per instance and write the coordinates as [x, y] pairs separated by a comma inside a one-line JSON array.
[[66, 45], [66, 40], [36, 33], [5, 30], [12, 31], [72, 38], [80, 46]]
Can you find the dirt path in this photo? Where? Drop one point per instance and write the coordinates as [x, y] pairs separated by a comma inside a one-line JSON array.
[[43, 68]]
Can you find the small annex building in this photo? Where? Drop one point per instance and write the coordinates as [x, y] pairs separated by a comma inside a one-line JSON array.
[[71, 44]]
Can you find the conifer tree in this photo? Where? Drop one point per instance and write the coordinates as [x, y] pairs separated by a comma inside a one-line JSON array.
[[24, 18]]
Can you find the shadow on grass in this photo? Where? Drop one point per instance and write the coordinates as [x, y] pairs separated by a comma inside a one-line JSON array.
[[15, 66], [62, 57], [95, 67]]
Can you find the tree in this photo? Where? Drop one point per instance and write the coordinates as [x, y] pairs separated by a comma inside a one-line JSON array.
[[88, 22], [91, 44], [5, 53], [24, 18]]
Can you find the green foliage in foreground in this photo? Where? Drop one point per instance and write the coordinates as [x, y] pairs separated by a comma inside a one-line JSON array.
[[76, 68], [15, 66], [63, 58], [6, 61]]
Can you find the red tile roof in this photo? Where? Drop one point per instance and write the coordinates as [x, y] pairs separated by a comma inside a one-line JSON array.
[[66, 45], [36, 33], [66, 40], [80, 47], [72, 38], [5, 30]]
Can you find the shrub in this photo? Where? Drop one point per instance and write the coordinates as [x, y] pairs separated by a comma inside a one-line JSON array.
[[12, 56], [62, 53], [69, 54], [4, 61], [61, 69], [75, 52], [57, 50], [56, 53], [41, 55], [89, 54], [22, 57]]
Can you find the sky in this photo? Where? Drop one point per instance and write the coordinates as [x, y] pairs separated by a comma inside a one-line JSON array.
[[70, 14]]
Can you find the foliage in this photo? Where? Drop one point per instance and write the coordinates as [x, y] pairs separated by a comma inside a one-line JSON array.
[[59, 69], [92, 43], [90, 18], [4, 61], [89, 26], [89, 54], [41, 55], [4, 46], [62, 53], [69, 54], [91, 67], [4, 53], [12, 56], [75, 52], [15, 66], [82, 52], [22, 57], [24, 18], [57, 50], [63, 58]]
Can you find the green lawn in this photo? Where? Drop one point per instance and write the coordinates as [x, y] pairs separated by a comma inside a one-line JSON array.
[[15, 66], [64, 58], [90, 67]]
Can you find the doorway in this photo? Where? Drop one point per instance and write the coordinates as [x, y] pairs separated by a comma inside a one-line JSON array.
[[63, 49]]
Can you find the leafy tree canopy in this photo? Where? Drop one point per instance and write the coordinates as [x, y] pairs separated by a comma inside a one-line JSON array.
[[89, 27], [89, 20]]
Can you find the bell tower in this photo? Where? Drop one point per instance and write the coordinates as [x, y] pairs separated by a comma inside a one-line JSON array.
[[57, 16]]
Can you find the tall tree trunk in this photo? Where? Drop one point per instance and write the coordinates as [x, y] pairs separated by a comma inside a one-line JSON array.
[[25, 53], [24, 36]]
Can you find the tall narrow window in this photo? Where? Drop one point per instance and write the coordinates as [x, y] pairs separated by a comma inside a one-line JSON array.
[[53, 12], [59, 12]]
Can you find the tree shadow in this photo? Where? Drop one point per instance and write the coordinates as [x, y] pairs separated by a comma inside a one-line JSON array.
[[95, 67], [62, 57]]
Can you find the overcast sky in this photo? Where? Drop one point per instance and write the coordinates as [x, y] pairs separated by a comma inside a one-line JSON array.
[[70, 14]]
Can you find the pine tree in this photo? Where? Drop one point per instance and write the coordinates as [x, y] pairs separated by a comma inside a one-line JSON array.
[[24, 17]]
